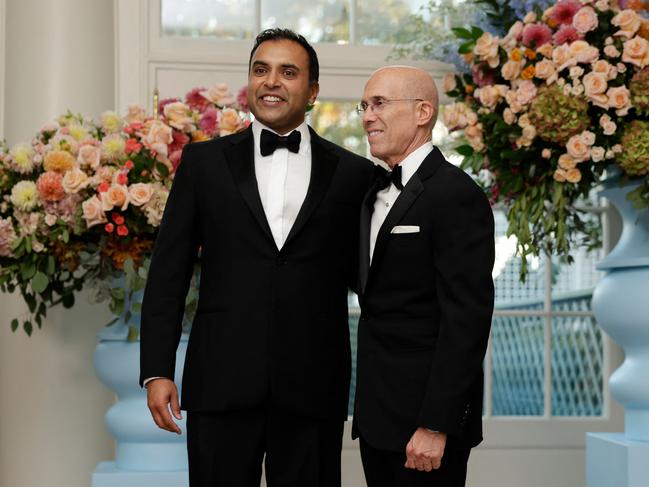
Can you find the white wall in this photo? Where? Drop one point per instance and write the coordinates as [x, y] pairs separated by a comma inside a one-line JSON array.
[[59, 54]]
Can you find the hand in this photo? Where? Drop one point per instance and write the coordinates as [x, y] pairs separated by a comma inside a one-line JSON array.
[[162, 393], [425, 450]]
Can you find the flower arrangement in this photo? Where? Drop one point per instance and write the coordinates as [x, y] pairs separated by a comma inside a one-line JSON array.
[[544, 109], [81, 204]]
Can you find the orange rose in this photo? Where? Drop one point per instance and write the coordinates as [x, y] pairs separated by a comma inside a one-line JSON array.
[[528, 73], [58, 161]]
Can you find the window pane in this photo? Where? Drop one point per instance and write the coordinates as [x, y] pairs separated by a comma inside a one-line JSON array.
[[577, 355], [338, 122], [517, 364], [317, 20], [386, 21], [220, 19], [577, 279]]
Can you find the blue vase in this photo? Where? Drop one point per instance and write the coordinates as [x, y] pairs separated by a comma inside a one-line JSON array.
[[621, 307]]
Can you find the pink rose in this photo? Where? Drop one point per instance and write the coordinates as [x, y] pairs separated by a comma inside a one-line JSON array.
[[158, 136], [628, 21], [511, 70], [179, 116], [583, 52], [585, 20], [140, 193], [544, 69], [115, 197], [595, 85], [89, 155], [526, 92], [619, 98], [577, 148], [636, 51], [92, 212], [229, 121], [219, 95]]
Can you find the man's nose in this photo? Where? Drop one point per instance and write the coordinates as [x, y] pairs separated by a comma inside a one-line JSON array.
[[272, 79]]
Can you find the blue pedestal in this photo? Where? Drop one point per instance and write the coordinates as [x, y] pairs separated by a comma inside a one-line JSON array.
[[108, 475], [614, 461]]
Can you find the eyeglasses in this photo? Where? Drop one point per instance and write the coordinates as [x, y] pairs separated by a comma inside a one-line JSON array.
[[379, 104]]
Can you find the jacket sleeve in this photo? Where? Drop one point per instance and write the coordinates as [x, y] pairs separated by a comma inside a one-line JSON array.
[[463, 251], [169, 276]]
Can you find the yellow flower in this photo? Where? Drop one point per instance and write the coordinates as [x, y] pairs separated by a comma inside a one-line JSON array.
[[78, 133], [22, 157], [58, 160], [111, 122], [24, 195], [515, 55], [112, 147], [530, 54]]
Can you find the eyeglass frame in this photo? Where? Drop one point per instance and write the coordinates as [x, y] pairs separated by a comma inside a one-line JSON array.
[[379, 102]]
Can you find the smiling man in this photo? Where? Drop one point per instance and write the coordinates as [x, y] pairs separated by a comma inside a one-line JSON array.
[[426, 294], [274, 210]]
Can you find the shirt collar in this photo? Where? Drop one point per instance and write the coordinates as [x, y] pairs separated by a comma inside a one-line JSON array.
[[412, 162], [303, 128]]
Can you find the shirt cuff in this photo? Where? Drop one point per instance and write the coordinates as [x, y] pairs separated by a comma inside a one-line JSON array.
[[146, 381]]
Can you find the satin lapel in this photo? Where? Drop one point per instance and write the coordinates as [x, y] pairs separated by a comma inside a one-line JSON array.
[[241, 161], [403, 203], [323, 166]]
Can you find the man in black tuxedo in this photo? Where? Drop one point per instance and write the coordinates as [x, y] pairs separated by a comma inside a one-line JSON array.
[[427, 251], [274, 210]]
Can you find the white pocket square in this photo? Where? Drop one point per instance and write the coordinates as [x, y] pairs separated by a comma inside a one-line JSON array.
[[405, 229]]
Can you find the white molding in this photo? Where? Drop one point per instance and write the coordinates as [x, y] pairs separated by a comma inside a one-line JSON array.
[[3, 36], [131, 50]]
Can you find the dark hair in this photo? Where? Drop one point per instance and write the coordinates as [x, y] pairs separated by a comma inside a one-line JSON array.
[[287, 34]]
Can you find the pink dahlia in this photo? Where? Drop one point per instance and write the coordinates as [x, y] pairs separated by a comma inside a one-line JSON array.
[[482, 75], [196, 101], [564, 11], [535, 35], [50, 186], [209, 121], [566, 33]]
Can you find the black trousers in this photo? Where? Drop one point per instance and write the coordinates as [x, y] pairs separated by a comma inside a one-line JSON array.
[[227, 449], [386, 469]]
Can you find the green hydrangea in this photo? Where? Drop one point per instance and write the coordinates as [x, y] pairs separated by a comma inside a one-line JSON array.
[[634, 158], [639, 88], [558, 117]]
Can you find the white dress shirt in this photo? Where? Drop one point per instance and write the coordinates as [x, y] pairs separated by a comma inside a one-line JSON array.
[[283, 180], [385, 198]]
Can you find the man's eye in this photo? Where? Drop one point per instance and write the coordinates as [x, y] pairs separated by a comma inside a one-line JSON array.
[[378, 103], [259, 70], [289, 73]]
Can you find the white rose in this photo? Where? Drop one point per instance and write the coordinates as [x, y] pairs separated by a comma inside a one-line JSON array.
[[74, 180], [92, 212], [140, 193], [628, 21]]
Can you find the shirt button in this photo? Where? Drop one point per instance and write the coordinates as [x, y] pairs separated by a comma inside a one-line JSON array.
[[387, 204]]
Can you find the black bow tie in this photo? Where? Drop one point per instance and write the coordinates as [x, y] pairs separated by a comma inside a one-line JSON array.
[[271, 141], [393, 177]]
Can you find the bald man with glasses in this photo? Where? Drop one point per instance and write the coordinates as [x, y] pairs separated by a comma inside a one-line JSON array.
[[426, 294]]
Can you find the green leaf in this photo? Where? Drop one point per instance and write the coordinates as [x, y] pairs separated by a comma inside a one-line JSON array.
[[465, 150], [462, 33], [65, 235], [27, 326], [51, 265], [27, 270], [113, 321], [14, 325], [136, 307], [133, 334], [40, 282], [30, 299], [68, 300], [476, 32], [28, 244], [466, 48], [162, 169]]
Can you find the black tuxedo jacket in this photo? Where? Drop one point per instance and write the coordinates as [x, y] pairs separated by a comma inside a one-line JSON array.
[[271, 324], [426, 302]]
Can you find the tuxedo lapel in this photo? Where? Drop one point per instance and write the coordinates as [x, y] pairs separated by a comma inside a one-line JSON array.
[[323, 166], [405, 200], [240, 156]]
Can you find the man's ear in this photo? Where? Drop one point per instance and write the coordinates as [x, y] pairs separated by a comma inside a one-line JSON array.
[[425, 113], [315, 89]]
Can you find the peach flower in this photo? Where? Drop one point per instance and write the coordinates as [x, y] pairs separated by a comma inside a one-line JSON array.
[[179, 116], [628, 21], [583, 52], [158, 136], [473, 134], [58, 161], [89, 155], [92, 212], [115, 197], [509, 116], [597, 153], [611, 51], [229, 121], [449, 82], [74, 180], [636, 51], [526, 92], [486, 48], [544, 69], [219, 95], [561, 55], [546, 153], [136, 114], [140, 193], [566, 162], [49, 186], [545, 50], [619, 98], [577, 148], [595, 85], [585, 20]]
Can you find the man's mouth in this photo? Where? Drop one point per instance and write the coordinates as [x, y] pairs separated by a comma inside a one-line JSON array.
[[271, 99], [374, 133]]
